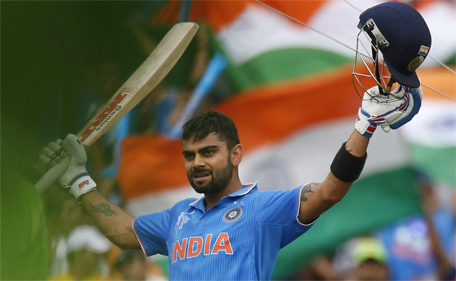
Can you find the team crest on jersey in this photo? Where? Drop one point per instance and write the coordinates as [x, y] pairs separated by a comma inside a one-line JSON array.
[[181, 220], [232, 214]]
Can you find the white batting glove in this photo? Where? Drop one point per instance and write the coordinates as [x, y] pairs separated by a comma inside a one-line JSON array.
[[389, 112], [75, 179]]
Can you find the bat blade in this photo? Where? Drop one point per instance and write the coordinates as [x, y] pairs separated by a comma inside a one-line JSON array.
[[141, 82]]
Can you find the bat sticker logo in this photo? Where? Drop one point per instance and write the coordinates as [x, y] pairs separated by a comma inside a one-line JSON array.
[[106, 113]]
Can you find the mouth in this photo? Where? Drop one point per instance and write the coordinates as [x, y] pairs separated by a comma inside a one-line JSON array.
[[201, 176]]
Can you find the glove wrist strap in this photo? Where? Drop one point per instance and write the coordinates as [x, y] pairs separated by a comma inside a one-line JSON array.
[[365, 128], [363, 125], [82, 185]]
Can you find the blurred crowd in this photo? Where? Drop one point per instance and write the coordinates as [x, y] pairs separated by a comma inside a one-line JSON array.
[[419, 247], [65, 245]]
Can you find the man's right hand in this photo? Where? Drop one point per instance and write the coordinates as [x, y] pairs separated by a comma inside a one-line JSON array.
[[75, 179], [390, 111]]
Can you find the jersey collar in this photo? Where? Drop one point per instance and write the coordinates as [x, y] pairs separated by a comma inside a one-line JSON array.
[[246, 189]]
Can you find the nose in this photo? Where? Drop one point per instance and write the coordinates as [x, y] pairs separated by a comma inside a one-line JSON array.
[[199, 161]]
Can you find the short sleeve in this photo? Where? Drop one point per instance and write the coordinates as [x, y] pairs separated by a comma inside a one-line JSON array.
[[152, 231], [281, 208]]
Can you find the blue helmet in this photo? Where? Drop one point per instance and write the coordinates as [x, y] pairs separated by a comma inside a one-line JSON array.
[[401, 35]]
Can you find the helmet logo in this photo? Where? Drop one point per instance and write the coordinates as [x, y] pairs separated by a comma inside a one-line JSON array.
[[415, 63], [423, 51]]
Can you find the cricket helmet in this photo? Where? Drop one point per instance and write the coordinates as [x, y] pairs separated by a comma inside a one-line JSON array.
[[400, 33]]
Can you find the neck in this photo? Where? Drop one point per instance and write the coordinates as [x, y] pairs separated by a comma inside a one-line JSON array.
[[213, 198]]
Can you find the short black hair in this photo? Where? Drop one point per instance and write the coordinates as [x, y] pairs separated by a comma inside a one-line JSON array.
[[209, 122]]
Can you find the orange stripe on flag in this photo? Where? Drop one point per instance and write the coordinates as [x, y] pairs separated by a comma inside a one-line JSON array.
[[218, 13], [222, 13], [440, 79], [150, 164], [269, 114]]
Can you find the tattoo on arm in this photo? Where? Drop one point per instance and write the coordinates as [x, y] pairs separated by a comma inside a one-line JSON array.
[[308, 188], [104, 208]]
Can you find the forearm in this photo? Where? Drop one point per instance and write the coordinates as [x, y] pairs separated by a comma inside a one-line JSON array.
[[318, 198], [112, 221], [357, 144], [335, 186]]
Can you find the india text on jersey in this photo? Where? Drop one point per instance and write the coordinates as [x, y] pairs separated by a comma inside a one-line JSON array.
[[193, 246]]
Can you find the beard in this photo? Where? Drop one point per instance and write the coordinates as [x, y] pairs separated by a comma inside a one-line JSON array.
[[219, 179]]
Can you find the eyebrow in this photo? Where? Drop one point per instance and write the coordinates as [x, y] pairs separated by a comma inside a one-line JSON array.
[[202, 149]]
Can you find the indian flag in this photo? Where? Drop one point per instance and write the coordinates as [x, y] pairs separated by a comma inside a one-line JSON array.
[[293, 102], [432, 134]]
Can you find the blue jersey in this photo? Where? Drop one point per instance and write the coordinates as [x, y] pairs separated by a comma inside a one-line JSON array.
[[237, 239]]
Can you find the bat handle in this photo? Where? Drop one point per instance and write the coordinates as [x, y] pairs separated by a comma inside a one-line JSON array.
[[56, 157], [53, 174]]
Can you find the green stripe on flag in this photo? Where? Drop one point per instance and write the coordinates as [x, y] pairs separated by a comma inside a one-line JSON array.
[[281, 66], [439, 163], [371, 203]]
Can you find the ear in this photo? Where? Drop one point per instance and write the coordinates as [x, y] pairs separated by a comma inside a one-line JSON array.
[[236, 155]]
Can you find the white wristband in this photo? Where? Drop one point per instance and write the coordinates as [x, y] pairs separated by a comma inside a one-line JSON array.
[[82, 186]]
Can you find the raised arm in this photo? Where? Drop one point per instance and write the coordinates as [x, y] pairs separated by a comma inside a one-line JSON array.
[[389, 112], [316, 198], [112, 221]]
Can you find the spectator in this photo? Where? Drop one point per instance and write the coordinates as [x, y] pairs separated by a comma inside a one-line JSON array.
[[370, 256], [320, 268], [65, 216], [87, 250], [421, 247], [361, 258], [133, 265]]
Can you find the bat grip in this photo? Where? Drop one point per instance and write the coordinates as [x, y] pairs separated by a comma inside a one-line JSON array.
[[56, 157], [53, 174]]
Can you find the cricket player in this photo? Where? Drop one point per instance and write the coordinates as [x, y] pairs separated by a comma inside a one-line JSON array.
[[235, 231]]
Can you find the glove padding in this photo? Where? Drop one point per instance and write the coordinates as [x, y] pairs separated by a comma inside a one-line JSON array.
[[390, 112], [75, 179]]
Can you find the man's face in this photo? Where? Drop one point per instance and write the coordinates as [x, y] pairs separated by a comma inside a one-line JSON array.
[[208, 164]]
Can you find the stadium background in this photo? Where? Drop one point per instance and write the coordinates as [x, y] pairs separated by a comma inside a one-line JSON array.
[[287, 88]]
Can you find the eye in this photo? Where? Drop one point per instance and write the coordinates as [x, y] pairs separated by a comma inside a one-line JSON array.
[[188, 156], [208, 152]]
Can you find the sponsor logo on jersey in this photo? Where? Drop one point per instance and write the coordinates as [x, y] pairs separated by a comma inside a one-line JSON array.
[[181, 220], [193, 247], [232, 214]]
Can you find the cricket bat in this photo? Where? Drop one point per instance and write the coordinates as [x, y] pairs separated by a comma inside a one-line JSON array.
[[136, 88]]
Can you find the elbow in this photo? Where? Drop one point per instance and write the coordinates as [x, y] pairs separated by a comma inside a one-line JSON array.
[[126, 246], [332, 200], [124, 237], [334, 189], [124, 242], [333, 197]]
